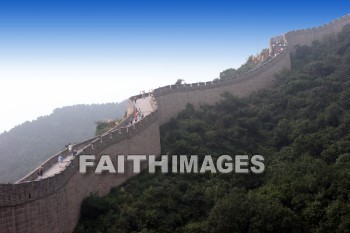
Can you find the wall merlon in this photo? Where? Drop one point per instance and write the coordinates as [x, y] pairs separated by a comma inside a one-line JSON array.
[[105, 139], [69, 187], [114, 134], [96, 145], [87, 150], [219, 83], [123, 131], [117, 135]]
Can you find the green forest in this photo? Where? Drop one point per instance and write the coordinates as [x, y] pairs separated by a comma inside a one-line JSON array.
[[302, 128]]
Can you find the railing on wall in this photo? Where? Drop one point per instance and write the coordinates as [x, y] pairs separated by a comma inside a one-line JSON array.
[[29, 188], [53, 160]]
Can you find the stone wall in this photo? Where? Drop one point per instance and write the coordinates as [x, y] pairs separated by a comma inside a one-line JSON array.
[[307, 36], [53, 204], [173, 99]]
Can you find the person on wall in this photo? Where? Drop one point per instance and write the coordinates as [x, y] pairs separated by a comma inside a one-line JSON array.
[[40, 172], [60, 160]]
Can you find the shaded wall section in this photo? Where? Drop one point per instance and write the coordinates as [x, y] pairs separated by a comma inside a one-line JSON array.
[[173, 99], [53, 204]]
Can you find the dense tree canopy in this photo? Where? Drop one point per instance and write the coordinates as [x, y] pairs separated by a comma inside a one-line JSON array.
[[301, 126]]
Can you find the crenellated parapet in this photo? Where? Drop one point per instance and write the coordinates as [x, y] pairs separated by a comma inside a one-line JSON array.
[[117, 135], [221, 82], [173, 99], [52, 204], [291, 38], [307, 36], [29, 188], [53, 160], [29, 191]]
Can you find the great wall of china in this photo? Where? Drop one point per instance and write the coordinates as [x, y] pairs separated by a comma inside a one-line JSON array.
[[52, 204]]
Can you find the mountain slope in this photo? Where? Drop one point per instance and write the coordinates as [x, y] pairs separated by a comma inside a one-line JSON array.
[[29, 144], [302, 128]]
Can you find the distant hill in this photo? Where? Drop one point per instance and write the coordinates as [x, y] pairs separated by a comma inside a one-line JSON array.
[[27, 145]]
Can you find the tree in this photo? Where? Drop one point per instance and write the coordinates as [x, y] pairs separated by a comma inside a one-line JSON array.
[[179, 81]]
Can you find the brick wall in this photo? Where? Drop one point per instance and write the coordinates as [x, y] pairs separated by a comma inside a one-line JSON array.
[[307, 36], [173, 99], [53, 204]]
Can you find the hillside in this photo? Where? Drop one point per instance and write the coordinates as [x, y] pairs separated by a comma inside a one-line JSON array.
[[29, 144], [302, 128]]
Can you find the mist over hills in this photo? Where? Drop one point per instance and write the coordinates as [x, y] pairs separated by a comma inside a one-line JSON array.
[[27, 145]]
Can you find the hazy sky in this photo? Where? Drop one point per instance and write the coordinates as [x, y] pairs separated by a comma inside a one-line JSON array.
[[58, 53]]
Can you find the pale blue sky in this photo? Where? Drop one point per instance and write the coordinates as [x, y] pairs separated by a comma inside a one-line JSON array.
[[57, 53]]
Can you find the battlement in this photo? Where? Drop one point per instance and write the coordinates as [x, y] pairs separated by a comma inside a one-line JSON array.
[[52, 160], [336, 22], [20, 193], [29, 189], [52, 204], [307, 36], [221, 82]]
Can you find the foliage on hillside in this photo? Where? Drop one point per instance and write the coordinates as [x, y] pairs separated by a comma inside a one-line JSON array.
[[301, 126], [104, 126], [26, 146], [251, 63]]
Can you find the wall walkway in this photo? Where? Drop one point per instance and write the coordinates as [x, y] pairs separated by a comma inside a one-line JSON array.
[[52, 204]]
